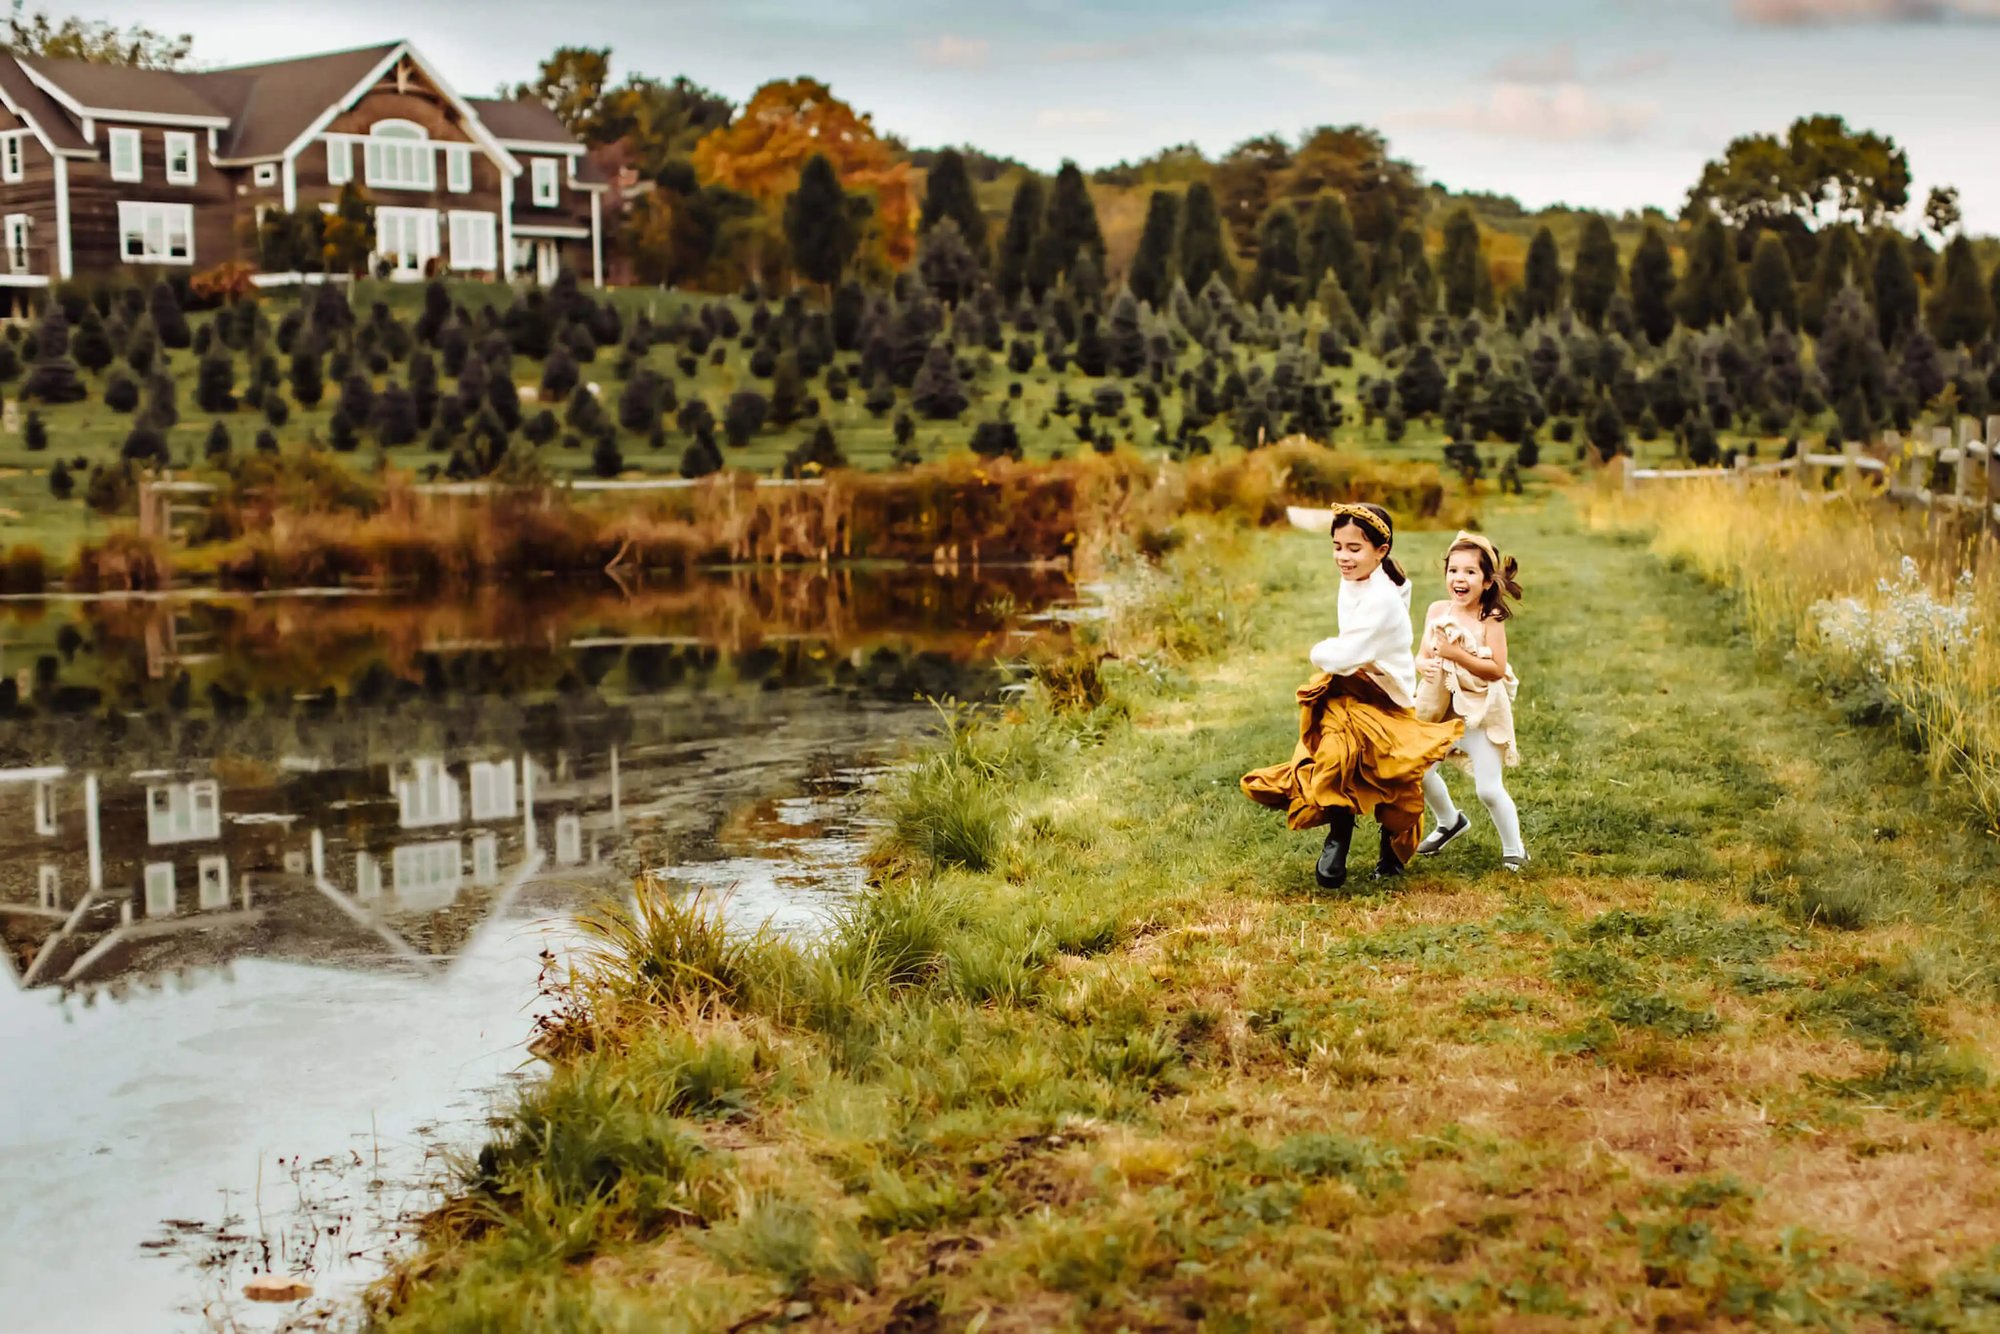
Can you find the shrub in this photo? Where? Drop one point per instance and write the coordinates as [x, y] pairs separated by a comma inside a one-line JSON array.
[[743, 416], [217, 444], [61, 485], [215, 383], [35, 432], [605, 458], [144, 444]]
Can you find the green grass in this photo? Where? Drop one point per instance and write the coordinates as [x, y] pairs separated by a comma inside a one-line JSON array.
[[1139, 1074]]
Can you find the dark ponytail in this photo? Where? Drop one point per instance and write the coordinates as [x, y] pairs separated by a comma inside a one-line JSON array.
[[1344, 515]]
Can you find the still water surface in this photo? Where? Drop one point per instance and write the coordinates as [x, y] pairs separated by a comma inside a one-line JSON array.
[[278, 879]]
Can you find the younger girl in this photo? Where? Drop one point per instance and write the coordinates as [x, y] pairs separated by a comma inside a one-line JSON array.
[[1464, 666], [1361, 751]]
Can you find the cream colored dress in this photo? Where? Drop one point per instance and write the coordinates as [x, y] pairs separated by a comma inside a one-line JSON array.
[[1486, 707]]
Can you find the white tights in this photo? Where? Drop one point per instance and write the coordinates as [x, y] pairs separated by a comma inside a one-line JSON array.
[[1487, 766]]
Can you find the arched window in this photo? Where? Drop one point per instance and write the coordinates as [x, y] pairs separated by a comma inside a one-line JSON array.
[[400, 156]]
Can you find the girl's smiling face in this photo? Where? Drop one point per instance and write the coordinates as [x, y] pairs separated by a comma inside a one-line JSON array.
[[1355, 552], [1465, 578]]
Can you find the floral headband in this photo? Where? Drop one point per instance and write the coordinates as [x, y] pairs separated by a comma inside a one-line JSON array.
[[1367, 518]]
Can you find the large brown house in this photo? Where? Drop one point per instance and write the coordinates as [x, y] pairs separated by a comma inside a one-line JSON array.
[[103, 167]]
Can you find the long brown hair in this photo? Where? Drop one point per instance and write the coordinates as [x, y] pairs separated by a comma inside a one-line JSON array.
[[1503, 582], [1382, 528]]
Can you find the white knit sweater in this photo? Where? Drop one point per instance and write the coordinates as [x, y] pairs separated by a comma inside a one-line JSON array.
[[1374, 638]]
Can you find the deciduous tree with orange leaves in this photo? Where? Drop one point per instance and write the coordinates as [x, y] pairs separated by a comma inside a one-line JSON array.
[[762, 152]]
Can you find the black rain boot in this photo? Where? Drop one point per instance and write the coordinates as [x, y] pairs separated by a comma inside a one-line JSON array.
[[1331, 868], [1387, 867]]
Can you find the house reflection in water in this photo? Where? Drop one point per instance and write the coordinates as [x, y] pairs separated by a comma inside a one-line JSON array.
[[106, 877]]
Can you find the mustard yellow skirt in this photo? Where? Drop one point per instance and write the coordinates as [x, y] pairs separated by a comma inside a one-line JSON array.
[[1358, 751]]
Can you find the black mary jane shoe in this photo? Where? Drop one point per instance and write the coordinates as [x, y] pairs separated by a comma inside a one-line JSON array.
[[1331, 868], [1440, 838]]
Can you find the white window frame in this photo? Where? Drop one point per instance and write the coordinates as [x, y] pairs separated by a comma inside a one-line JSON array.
[[178, 140], [399, 155], [14, 158], [428, 795], [414, 234], [475, 245], [161, 898], [428, 875], [546, 176], [339, 161], [265, 173], [485, 860], [125, 144], [569, 839], [458, 169], [367, 877], [493, 790], [183, 812], [212, 883], [155, 226]]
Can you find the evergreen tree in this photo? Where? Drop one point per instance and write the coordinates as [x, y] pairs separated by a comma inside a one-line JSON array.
[[168, 321], [35, 433], [1773, 291], [61, 485], [501, 395], [743, 416], [1896, 296], [1607, 428], [121, 392], [1542, 281], [1152, 276], [1279, 272], [1594, 279], [938, 392], [559, 375], [946, 265], [357, 398], [1460, 264], [1021, 240], [1204, 253], [340, 432], [1071, 230], [606, 459], [437, 310], [949, 193], [1125, 339], [217, 444], [92, 345], [215, 383], [1961, 309], [1651, 280], [701, 458], [1710, 291], [819, 225], [1839, 264], [1330, 247], [1850, 353]]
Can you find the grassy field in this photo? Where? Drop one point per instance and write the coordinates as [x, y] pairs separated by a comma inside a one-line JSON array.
[[89, 433], [1098, 1056]]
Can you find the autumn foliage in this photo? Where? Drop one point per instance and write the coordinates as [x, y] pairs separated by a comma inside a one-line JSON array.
[[762, 152]]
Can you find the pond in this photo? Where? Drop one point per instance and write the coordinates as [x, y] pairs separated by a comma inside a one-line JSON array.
[[280, 879]]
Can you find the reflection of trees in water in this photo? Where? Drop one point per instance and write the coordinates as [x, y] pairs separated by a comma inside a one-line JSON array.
[[890, 632]]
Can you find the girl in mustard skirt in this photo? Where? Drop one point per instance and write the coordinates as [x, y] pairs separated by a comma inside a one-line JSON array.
[[1361, 749]]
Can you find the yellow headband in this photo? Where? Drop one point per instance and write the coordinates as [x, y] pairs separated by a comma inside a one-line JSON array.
[[1479, 540], [1366, 517]]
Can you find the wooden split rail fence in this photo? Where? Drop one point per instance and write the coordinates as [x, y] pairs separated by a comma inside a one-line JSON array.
[[1946, 470]]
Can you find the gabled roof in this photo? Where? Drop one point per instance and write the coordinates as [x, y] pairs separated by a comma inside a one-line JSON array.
[[24, 96], [87, 88], [522, 121], [272, 104]]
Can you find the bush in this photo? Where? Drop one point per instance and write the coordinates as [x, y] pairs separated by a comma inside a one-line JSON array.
[[276, 411], [217, 444], [541, 428], [340, 432], [818, 454], [35, 432], [560, 375], [54, 382], [61, 485], [144, 444], [605, 458], [215, 383], [701, 457], [743, 416], [267, 441]]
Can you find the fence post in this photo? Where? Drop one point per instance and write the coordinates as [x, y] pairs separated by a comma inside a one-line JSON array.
[[1741, 476], [1896, 470], [1850, 465], [1968, 459]]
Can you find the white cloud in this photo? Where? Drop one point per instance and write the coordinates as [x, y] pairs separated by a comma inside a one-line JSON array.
[[949, 52], [1074, 118], [1561, 113], [1635, 66]]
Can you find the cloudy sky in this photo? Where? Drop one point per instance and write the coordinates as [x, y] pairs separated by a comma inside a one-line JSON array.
[[1609, 103]]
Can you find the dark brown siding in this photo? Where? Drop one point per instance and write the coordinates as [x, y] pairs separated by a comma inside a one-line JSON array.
[[34, 195], [94, 196]]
